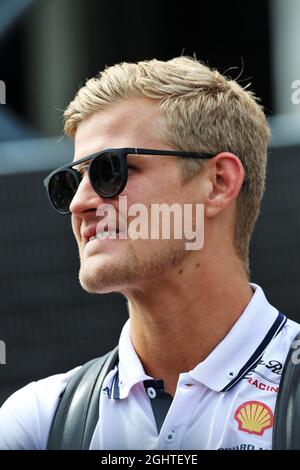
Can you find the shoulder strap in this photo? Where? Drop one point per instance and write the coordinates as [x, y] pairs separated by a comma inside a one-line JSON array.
[[286, 429], [77, 412]]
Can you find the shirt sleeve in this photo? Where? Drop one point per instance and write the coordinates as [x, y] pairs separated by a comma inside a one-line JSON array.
[[26, 416]]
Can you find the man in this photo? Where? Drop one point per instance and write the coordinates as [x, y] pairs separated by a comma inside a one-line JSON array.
[[201, 355]]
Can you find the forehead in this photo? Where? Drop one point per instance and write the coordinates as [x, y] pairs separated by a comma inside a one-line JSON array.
[[129, 123]]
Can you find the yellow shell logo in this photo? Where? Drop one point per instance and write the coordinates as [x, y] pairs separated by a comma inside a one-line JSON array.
[[254, 417]]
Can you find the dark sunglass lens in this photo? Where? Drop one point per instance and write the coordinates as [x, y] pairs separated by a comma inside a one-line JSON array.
[[62, 188], [106, 174]]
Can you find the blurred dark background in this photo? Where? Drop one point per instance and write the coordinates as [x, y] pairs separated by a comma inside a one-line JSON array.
[[48, 48]]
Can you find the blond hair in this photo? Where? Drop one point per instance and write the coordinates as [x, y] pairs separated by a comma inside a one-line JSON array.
[[202, 111]]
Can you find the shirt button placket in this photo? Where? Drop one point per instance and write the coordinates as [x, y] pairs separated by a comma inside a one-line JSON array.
[[151, 392], [170, 437]]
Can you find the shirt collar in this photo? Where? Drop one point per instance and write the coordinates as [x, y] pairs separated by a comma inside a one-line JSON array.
[[247, 339], [227, 363]]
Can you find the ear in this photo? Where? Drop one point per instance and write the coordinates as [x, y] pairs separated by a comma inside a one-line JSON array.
[[226, 175]]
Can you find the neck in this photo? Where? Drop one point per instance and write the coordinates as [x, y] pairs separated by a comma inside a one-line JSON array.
[[178, 321]]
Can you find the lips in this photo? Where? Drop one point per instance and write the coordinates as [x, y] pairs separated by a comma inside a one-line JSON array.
[[91, 233]]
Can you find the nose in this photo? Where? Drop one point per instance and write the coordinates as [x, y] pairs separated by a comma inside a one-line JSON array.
[[85, 199]]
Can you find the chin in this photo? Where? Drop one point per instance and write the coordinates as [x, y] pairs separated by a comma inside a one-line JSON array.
[[107, 277], [94, 288], [128, 270], [99, 282]]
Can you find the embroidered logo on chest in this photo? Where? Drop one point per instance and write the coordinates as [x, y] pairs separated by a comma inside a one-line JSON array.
[[253, 417]]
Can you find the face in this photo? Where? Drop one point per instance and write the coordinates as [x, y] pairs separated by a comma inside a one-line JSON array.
[[124, 264]]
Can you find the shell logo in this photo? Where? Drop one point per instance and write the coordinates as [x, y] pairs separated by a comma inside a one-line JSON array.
[[254, 417]]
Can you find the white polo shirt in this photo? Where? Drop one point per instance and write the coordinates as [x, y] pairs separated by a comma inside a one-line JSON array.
[[226, 402]]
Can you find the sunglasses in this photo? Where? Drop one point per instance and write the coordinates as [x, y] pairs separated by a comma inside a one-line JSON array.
[[107, 171]]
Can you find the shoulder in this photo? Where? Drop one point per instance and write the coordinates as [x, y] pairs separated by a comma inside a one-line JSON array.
[[283, 341], [274, 358], [26, 416]]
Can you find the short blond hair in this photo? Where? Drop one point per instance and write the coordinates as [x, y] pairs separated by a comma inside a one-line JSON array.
[[202, 111]]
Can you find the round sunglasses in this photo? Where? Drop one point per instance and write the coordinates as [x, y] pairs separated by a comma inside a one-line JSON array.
[[107, 171]]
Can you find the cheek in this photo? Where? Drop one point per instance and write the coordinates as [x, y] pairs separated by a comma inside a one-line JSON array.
[[153, 187]]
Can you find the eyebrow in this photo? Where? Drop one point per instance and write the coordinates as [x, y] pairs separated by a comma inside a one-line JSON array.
[[81, 164], [131, 156], [86, 159]]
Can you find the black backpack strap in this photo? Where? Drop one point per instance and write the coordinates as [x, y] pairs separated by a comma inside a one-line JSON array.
[[286, 428], [77, 412]]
